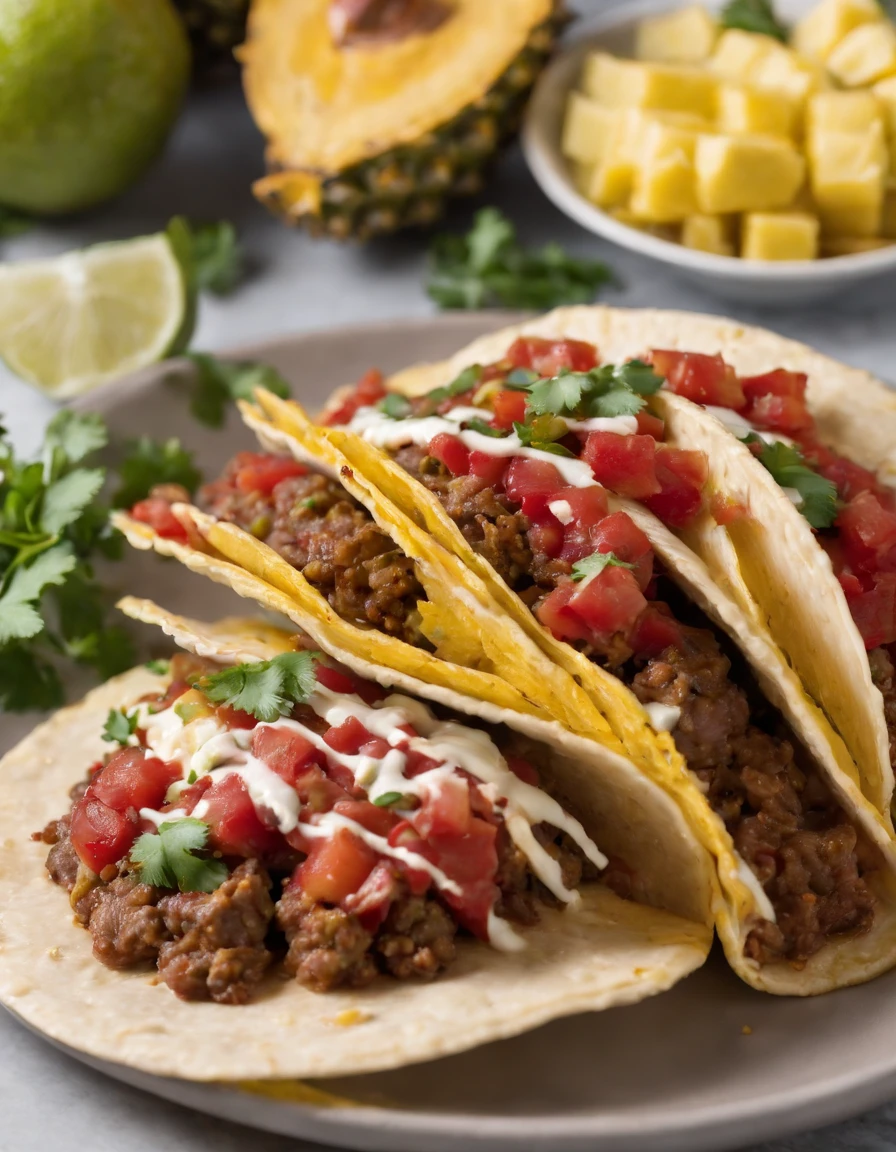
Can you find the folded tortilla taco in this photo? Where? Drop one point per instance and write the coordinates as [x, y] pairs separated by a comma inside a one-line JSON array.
[[280, 868], [797, 515], [803, 861]]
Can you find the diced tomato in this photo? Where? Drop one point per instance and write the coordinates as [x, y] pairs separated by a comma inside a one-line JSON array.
[[624, 464], [546, 536], [489, 468], [681, 474], [547, 357], [286, 752], [868, 534], [701, 378], [471, 861], [348, 737], [157, 513], [509, 408], [379, 821], [532, 483], [725, 510], [524, 770], [452, 453], [619, 534], [852, 479], [416, 763], [369, 389], [589, 508], [371, 902], [655, 630], [262, 473], [340, 679], [445, 810], [131, 780], [235, 718], [236, 829], [608, 603], [874, 610], [777, 400], [405, 835], [779, 382], [318, 791], [650, 425], [100, 835], [335, 868], [556, 615]]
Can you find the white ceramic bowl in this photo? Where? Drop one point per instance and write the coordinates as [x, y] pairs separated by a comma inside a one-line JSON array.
[[781, 282]]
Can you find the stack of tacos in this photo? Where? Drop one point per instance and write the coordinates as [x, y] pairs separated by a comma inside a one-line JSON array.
[[588, 652]]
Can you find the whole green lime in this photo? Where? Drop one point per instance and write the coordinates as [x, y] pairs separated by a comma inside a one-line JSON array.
[[89, 90]]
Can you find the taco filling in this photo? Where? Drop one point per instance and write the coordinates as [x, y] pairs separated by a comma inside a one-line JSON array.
[[289, 813], [526, 486]]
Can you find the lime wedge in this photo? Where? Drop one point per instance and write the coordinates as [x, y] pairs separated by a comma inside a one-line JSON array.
[[76, 321]]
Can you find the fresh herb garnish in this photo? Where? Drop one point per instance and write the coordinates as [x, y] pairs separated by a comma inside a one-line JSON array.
[[218, 262], [464, 382], [489, 268], [217, 383], [788, 467], [387, 799], [594, 564], [484, 429], [120, 726], [267, 690], [166, 858], [611, 390], [148, 463], [13, 223], [754, 16], [395, 406], [543, 433], [158, 667], [519, 379], [51, 528]]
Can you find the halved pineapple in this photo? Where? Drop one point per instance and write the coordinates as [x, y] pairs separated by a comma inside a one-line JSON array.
[[373, 132]]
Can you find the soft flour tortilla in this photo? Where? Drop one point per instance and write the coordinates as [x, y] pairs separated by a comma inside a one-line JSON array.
[[610, 952], [770, 561]]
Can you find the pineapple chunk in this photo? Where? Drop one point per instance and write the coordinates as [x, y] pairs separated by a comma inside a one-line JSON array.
[[885, 92], [586, 129], [756, 111], [665, 184], [737, 54], [818, 34], [746, 173], [781, 70], [848, 176], [708, 234], [842, 112], [851, 245], [687, 36], [614, 179], [635, 84], [865, 55], [780, 236]]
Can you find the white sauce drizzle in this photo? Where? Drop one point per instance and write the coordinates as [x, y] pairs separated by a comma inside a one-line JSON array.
[[206, 747], [742, 427], [562, 509], [751, 881], [663, 717]]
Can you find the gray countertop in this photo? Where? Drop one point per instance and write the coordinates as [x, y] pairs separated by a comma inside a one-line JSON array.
[[46, 1099]]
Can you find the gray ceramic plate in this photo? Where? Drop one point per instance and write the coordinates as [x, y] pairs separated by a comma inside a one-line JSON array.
[[710, 1065]]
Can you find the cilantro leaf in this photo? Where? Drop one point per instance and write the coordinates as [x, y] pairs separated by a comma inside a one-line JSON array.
[[158, 667], [120, 726], [217, 257], [484, 429], [217, 383], [27, 680], [166, 858], [616, 402], [594, 564], [559, 394], [267, 690], [465, 381], [519, 379], [635, 375], [789, 468], [387, 799], [75, 435], [152, 462], [66, 499], [611, 390], [754, 16], [19, 618], [542, 434], [488, 268], [395, 406]]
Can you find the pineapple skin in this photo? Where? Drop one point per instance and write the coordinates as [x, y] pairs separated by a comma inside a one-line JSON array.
[[216, 27], [410, 186]]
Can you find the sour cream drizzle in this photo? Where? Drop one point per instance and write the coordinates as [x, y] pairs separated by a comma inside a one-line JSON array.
[[742, 427], [206, 747]]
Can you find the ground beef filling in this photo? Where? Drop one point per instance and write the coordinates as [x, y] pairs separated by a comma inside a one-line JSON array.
[[783, 819], [315, 526], [218, 946], [884, 677]]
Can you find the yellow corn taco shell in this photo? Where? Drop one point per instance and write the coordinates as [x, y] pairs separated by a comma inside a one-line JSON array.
[[608, 952]]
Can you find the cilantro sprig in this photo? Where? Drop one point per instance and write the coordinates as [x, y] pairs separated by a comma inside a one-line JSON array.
[[120, 726], [166, 859], [267, 690], [51, 529], [594, 564], [215, 384], [754, 16], [148, 463], [789, 468], [611, 390], [218, 261], [489, 268]]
